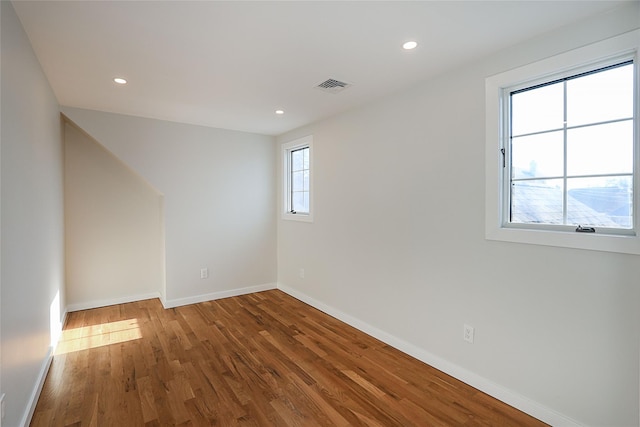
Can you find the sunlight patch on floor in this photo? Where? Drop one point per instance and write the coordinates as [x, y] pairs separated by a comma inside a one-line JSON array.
[[86, 337]]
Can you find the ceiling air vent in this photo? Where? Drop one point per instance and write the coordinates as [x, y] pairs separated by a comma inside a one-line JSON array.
[[332, 86]]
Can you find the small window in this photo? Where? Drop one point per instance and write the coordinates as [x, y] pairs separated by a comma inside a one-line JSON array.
[[563, 152], [297, 189]]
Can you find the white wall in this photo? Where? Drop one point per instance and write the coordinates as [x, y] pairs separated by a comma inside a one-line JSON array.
[[398, 249], [219, 191], [114, 247], [32, 264]]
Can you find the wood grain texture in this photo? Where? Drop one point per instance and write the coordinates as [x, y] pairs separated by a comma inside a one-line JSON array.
[[264, 359]]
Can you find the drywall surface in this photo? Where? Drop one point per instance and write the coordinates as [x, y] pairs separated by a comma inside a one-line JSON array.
[[113, 227], [219, 192], [32, 248], [397, 245]]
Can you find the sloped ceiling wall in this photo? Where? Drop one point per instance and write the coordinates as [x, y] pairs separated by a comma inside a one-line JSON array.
[[114, 227]]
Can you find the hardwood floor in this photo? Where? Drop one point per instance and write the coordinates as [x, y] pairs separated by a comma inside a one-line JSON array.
[[264, 359]]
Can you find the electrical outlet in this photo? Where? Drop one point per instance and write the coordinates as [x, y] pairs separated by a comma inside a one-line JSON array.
[[204, 273], [468, 333], [301, 273]]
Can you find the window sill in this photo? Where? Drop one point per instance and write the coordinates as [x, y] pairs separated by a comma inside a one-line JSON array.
[[297, 217], [587, 241]]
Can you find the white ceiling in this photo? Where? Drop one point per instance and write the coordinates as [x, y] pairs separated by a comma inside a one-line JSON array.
[[232, 64]]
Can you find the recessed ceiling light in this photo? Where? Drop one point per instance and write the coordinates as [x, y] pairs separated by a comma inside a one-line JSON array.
[[280, 112], [410, 45], [120, 81]]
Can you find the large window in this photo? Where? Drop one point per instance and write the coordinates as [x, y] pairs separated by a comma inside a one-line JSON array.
[[562, 149], [569, 154], [297, 190]]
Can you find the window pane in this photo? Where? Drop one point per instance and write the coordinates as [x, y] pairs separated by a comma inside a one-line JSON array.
[[306, 158], [298, 201], [537, 110], [599, 97], [600, 149], [305, 207], [537, 201], [297, 160], [603, 202], [297, 181], [537, 156], [305, 185]]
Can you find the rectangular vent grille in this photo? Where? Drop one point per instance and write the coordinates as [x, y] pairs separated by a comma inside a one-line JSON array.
[[332, 86]]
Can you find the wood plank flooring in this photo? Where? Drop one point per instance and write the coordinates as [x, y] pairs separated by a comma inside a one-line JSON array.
[[264, 359]]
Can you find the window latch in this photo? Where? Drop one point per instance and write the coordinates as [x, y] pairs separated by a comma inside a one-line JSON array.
[[504, 158], [292, 212], [582, 229]]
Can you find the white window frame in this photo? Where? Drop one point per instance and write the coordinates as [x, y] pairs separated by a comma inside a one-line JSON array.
[[497, 226], [287, 148]]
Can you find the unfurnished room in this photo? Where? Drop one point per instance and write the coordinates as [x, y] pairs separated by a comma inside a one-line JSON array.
[[320, 213]]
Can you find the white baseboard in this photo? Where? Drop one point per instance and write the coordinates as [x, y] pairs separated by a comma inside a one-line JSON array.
[[42, 376], [112, 301], [170, 303], [35, 393], [501, 393], [63, 320]]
